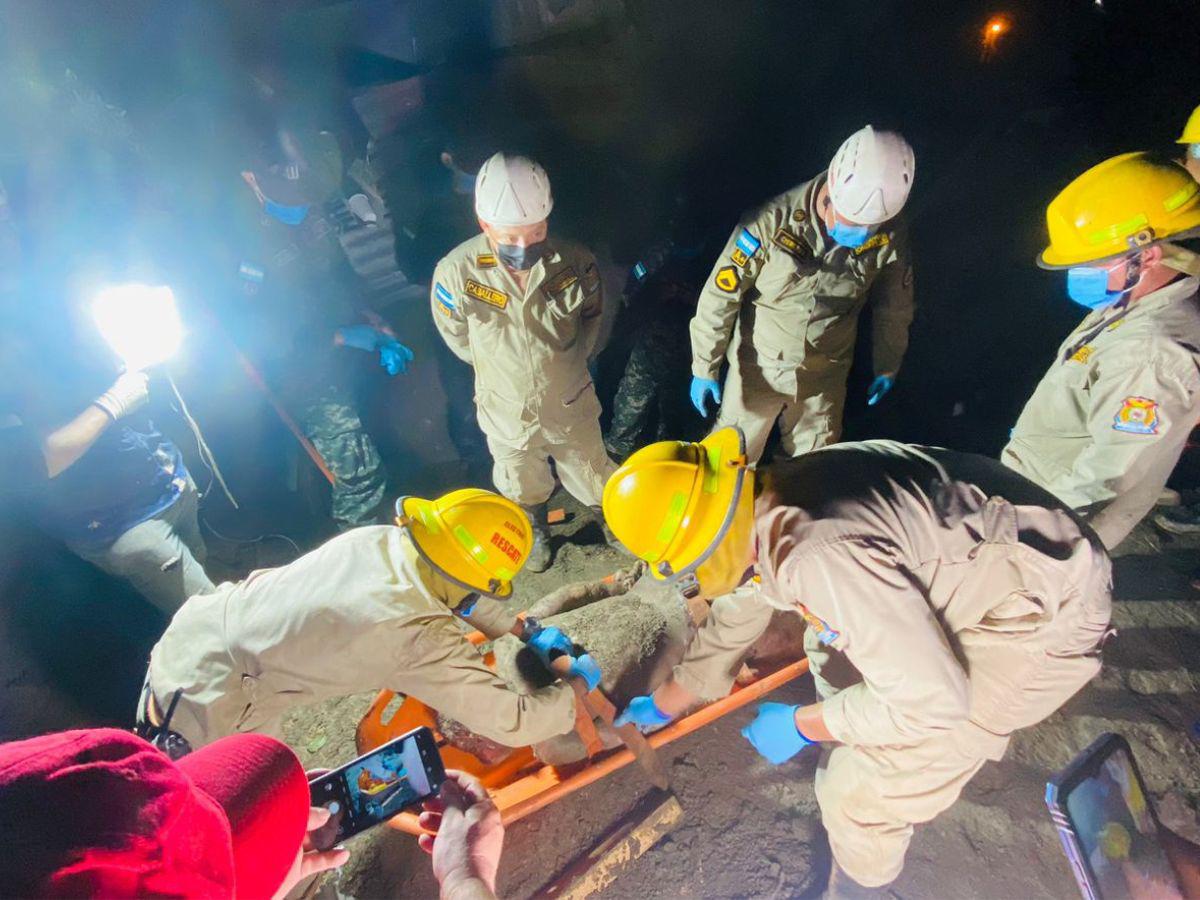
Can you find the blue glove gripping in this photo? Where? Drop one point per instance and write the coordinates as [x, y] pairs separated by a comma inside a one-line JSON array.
[[588, 669], [642, 712], [395, 357], [548, 640], [360, 337], [774, 734], [702, 389], [879, 387]]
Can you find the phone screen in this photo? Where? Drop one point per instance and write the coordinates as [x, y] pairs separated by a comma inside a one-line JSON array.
[[1115, 825], [378, 785]]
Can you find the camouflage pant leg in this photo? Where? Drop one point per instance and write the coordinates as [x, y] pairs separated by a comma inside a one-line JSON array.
[[330, 420], [635, 399]]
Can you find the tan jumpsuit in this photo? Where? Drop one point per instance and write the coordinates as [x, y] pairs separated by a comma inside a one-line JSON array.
[[353, 615], [1110, 418], [782, 306], [529, 349], [949, 604]]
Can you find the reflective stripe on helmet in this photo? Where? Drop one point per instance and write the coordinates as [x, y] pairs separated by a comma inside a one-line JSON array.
[[472, 546], [670, 526], [1119, 230], [1180, 197], [712, 471]]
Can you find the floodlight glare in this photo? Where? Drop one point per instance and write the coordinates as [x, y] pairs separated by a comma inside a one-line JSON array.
[[139, 322]]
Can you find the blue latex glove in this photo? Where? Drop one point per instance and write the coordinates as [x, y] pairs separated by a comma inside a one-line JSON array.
[[774, 733], [547, 641], [702, 389], [394, 356], [880, 386], [585, 667], [361, 337], [642, 712]]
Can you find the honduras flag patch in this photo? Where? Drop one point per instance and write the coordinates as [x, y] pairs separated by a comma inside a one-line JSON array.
[[444, 297], [748, 243]]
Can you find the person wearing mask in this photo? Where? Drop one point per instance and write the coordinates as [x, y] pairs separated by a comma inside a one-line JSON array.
[[523, 310], [783, 300], [300, 301], [101, 813], [949, 603], [1110, 418], [376, 607]]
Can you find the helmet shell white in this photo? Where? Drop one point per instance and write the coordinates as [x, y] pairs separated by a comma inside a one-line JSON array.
[[512, 190], [871, 175]]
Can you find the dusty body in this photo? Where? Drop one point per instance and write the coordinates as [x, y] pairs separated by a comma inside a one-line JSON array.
[[637, 629]]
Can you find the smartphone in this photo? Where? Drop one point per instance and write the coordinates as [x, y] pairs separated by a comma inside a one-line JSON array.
[[1108, 825], [377, 786]]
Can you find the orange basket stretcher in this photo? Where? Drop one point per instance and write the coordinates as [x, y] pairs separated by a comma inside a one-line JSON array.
[[520, 784]]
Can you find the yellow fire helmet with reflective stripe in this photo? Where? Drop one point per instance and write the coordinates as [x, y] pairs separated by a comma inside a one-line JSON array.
[[687, 510], [1120, 206], [473, 538], [1191, 131]]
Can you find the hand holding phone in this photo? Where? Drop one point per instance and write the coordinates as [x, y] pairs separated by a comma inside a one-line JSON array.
[[376, 786]]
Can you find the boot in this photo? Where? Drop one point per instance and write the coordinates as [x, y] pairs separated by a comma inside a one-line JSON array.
[[540, 554], [842, 887]]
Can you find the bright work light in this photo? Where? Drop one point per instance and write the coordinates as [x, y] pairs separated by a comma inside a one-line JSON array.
[[139, 322]]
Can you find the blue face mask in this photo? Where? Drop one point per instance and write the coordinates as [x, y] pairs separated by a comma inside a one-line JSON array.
[[1088, 285], [288, 215], [851, 236]]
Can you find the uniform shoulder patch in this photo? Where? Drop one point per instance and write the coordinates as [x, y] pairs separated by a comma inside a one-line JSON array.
[[875, 241], [748, 243], [488, 295], [825, 634], [727, 279], [792, 244], [561, 281], [1083, 354], [1137, 415], [444, 298], [486, 260]]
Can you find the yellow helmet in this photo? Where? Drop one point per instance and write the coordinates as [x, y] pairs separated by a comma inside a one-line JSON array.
[[472, 537], [687, 509], [1191, 131], [1122, 205]]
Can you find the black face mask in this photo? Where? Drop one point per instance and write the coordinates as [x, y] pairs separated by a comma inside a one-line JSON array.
[[520, 258]]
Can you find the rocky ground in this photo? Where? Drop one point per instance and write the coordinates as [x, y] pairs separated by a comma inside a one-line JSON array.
[[752, 830]]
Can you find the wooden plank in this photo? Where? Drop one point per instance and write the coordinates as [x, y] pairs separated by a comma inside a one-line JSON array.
[[651, 820]]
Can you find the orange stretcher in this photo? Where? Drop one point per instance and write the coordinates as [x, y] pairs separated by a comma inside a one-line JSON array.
[[520, 784]]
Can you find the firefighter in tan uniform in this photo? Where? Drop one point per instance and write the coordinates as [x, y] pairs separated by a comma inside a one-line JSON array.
[[373, 608], [1109, 420], [525, 312], [949, 603], [783, 300]]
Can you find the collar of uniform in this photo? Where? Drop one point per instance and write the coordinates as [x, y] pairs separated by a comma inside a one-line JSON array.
[[811, 228], [1179, 289]]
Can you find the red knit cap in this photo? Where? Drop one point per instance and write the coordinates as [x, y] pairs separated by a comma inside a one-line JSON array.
[[103, 813]]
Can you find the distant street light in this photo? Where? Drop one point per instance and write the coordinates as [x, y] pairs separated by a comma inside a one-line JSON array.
[[139, 322]]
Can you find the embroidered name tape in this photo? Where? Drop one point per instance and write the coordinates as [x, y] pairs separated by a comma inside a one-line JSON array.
[[488, 295]]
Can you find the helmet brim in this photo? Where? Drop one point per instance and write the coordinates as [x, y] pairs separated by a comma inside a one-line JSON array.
[[727, 444], [1052, 261]]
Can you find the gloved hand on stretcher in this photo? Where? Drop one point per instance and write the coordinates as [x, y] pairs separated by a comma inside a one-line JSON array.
[[551, 643]]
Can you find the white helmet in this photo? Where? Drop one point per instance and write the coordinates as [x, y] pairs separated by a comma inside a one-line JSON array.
[[871, 175], [512, 190]]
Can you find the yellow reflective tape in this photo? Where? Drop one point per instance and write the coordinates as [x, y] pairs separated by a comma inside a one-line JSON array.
[[429, 519], [505, 574], [1120, 230], [712, 471], [472, 546], [671, 523], [1180, 197]]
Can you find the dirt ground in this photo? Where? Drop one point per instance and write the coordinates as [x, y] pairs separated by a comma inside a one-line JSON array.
[[752, 830]]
